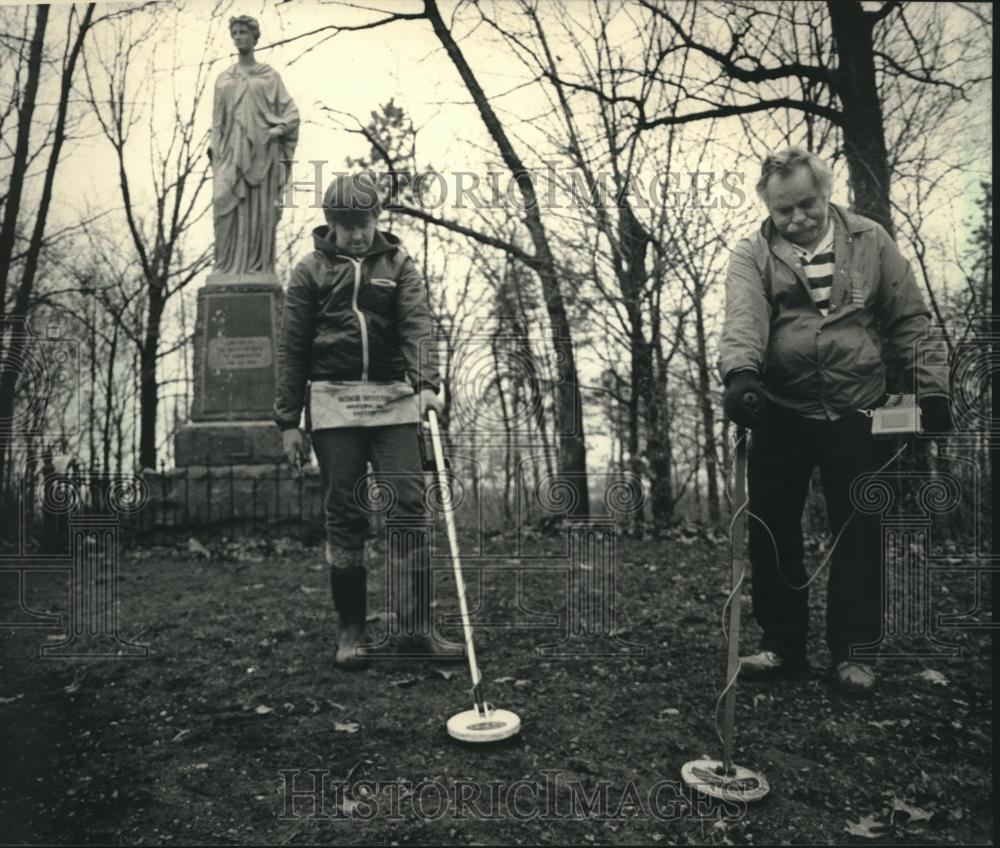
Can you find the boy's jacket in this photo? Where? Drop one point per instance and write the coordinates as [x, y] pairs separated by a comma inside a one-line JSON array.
[[353, 319]]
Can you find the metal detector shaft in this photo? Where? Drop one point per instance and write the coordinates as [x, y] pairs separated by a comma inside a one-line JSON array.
[[738, 563], [456, 564]]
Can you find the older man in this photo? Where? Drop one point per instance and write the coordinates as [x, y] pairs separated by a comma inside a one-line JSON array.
[[818, 302]]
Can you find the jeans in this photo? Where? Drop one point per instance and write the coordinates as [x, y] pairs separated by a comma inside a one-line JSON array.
[[784, 449], [343, 454]]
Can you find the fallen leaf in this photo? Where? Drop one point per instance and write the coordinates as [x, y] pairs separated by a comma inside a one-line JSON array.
[[403, 682], [346, 726], [447, 675], [520, 684], [932, 676], [671, 711], [503, 679], [198, 549], [309, 590], [12, 699], [915, 813], [869, 827], [180, 735], [263, 709]]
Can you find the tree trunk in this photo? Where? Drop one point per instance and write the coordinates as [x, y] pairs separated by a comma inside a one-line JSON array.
[[659, 449], [19, 163], [636, 465], [508, 436], [109, 394], [568, 403], [148, 386], [707, 410], [10, 369], [92, 393], [861, 109]]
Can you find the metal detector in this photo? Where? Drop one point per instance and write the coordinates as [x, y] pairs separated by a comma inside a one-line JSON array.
[[483, 723], [723, 779]]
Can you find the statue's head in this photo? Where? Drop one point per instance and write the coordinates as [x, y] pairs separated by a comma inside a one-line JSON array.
[[247, 23]]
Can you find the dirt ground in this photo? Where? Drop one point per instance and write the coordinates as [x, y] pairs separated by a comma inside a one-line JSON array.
[[237, 702]]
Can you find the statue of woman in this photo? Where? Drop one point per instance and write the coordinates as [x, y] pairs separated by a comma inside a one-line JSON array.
[[255, 126]]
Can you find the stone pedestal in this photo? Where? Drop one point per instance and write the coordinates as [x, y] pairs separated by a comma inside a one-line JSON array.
[[235, 369]]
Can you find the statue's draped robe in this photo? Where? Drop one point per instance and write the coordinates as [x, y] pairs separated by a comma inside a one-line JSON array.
[[247, 184]]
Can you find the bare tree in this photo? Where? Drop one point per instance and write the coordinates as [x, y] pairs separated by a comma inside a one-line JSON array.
[[778, 59], [159, 231], [16, 217]]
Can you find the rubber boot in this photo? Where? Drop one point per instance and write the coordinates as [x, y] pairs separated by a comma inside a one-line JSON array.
[[349, 588], [418, 639]]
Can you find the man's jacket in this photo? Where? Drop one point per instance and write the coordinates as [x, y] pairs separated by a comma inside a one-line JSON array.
[[353, 319], [825, 366]]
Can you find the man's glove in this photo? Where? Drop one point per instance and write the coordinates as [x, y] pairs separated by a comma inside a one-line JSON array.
[[935, 415], [295, 444], [744, 400]]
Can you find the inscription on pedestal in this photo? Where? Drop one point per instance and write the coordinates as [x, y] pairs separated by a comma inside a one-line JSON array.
[[234, 354]]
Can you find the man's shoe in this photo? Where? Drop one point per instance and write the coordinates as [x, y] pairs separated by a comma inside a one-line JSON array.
[[854, 678], [436, 649], [770, 664]]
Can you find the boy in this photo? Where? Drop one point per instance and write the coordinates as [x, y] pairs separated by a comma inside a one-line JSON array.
[[355, 316]]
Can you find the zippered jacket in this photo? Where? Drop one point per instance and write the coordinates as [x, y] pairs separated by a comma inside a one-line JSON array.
[[349, 318], [826, 366]]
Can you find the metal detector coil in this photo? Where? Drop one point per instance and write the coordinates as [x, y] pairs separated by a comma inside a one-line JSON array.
[[723, 779], [492, 725], [483, 723], [710, 777]]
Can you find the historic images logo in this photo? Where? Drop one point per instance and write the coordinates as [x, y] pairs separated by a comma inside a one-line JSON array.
[[311, 794], [553, 188]]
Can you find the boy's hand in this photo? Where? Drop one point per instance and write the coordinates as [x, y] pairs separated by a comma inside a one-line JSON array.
[[295, 444], [426, 399]]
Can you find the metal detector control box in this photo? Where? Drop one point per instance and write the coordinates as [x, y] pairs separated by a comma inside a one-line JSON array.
[[899, 417]]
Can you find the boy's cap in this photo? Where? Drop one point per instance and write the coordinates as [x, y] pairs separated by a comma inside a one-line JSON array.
[[352, 194]]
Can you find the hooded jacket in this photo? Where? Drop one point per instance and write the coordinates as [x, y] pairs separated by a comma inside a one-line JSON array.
[[348, 318], [825, 366]]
